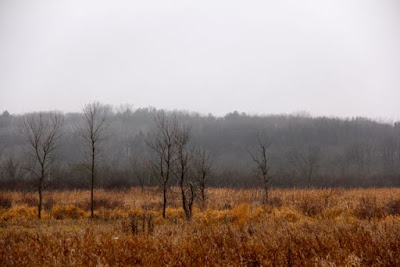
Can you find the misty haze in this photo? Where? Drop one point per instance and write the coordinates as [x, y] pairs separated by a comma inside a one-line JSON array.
[[208, 133]]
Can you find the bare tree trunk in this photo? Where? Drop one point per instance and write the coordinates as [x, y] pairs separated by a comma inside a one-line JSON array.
[[203, 196], [192, 198], [266, 189], [202, 166], [92, 182], [184, 160], [184, 202], [41, 179], [91, 201], [164, 200], [40, 197]]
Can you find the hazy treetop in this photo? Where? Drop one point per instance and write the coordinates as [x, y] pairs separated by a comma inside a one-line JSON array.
[[327, 57]]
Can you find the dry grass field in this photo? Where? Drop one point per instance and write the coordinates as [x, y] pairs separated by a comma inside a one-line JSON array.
[[299, 227]]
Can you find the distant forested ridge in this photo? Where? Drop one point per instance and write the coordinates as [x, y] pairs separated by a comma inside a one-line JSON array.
[[305, 151]]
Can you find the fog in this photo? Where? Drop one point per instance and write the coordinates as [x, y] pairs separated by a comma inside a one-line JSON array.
[[338, 58]]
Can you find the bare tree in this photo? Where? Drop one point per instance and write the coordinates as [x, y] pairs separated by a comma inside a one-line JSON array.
[[313, 159], [138, 160], [93, 130], [141, 171], [390, 153], [362, 155], [183, 173], [12, 169], [202, 169], [42, 132], [306, 162], [162, 144], [261, 160]]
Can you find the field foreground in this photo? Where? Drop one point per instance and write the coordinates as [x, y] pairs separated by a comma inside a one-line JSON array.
[[318, 227]]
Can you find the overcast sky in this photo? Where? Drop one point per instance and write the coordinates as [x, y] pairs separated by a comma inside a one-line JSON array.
[[336, 57]]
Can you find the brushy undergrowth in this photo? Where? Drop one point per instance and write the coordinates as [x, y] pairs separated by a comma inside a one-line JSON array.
[[5, 203], [298, 227]]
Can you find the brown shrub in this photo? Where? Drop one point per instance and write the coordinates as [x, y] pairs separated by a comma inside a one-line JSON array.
[[275, 202], [5, 202], [102, 203], [151, 206], [108, 204], [310, 207], [49, 203], [226, 206], [393, 207], [29, 200], [369, 209], [141, 223], [20, 213], [67, 212]]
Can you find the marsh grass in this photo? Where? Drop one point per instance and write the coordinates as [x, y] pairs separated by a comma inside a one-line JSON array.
[[355, 227]]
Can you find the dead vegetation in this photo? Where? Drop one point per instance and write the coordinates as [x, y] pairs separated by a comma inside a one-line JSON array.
[[319, 227]]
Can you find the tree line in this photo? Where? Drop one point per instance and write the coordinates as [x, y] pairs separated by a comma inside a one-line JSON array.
[[121, 147]]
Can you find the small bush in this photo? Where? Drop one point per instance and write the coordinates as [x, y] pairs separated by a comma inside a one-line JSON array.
[[175, 215], [20, 213], [49, 203], [287, 215], [151, 206], [67, 212], [227, 206], [105, 204], [275, 202], [393, 207], [5, 202], [107, 215], [311, 207], [332, 213], [141, 223], [368, 209], [30, 201], [240, 214]]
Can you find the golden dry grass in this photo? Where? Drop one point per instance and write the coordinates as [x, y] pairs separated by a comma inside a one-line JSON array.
[[318, 227]]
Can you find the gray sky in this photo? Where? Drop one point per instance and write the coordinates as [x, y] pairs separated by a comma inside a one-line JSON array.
[[339, 57]]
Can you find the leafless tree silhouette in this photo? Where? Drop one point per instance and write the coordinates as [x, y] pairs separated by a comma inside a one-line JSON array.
[[162, 144], [42, 131], [184, 173], [260, 158], [93, 130], [202, 169]]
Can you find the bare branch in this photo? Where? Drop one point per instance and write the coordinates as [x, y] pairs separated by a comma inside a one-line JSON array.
[[42, 132], [93, 129], [260, 159]]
